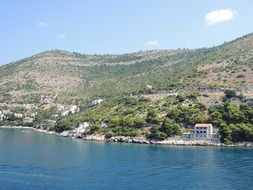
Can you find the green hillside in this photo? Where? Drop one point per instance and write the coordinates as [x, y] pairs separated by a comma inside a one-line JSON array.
[[74, 77]]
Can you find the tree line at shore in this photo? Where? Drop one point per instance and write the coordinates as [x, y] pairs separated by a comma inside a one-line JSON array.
[[159, 119]]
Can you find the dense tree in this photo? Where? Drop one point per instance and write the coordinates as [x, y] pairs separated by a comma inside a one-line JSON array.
[[94, 129], [233, 114], [123, 131], [152, 116], [226, 132], [248, 112], [42, 116], [65, 123], [139, 122], [216, 118], [170, 128], [155, 133], [115, 121], [230, 94]]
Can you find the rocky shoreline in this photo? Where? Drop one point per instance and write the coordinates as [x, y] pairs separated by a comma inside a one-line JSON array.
[[175, 142], [136, 140]]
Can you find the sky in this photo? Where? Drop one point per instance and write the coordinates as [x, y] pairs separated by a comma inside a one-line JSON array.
[[118, 26]]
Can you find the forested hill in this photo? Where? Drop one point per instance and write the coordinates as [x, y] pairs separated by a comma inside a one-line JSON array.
[[74, 77]]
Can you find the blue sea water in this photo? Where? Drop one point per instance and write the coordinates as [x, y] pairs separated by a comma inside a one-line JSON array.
[[31, 160]]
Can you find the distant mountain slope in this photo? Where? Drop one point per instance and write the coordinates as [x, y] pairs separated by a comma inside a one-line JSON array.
[[75, 77]]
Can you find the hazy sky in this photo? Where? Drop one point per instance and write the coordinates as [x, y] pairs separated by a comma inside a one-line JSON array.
[[118, 26]]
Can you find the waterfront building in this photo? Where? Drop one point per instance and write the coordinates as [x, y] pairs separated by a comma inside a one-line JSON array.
[[203, 131]]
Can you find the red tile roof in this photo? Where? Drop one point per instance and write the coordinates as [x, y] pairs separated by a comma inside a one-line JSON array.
[[203, 125]]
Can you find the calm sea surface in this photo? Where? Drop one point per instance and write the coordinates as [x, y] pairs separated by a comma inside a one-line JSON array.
[[31, 160]]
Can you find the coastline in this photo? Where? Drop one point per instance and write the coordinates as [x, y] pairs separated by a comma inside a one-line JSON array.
[[135, 140]]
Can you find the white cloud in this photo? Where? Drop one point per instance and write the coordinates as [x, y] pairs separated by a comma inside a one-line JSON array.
[[220, 15], [62, 35], [41, 24], [152, 43]]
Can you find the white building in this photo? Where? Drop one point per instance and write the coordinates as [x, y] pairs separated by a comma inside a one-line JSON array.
[[82, 127], [18, 115], [71, 110], [97, 102], [149, 87], [2, 116], [203, 131], [77, 132]]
